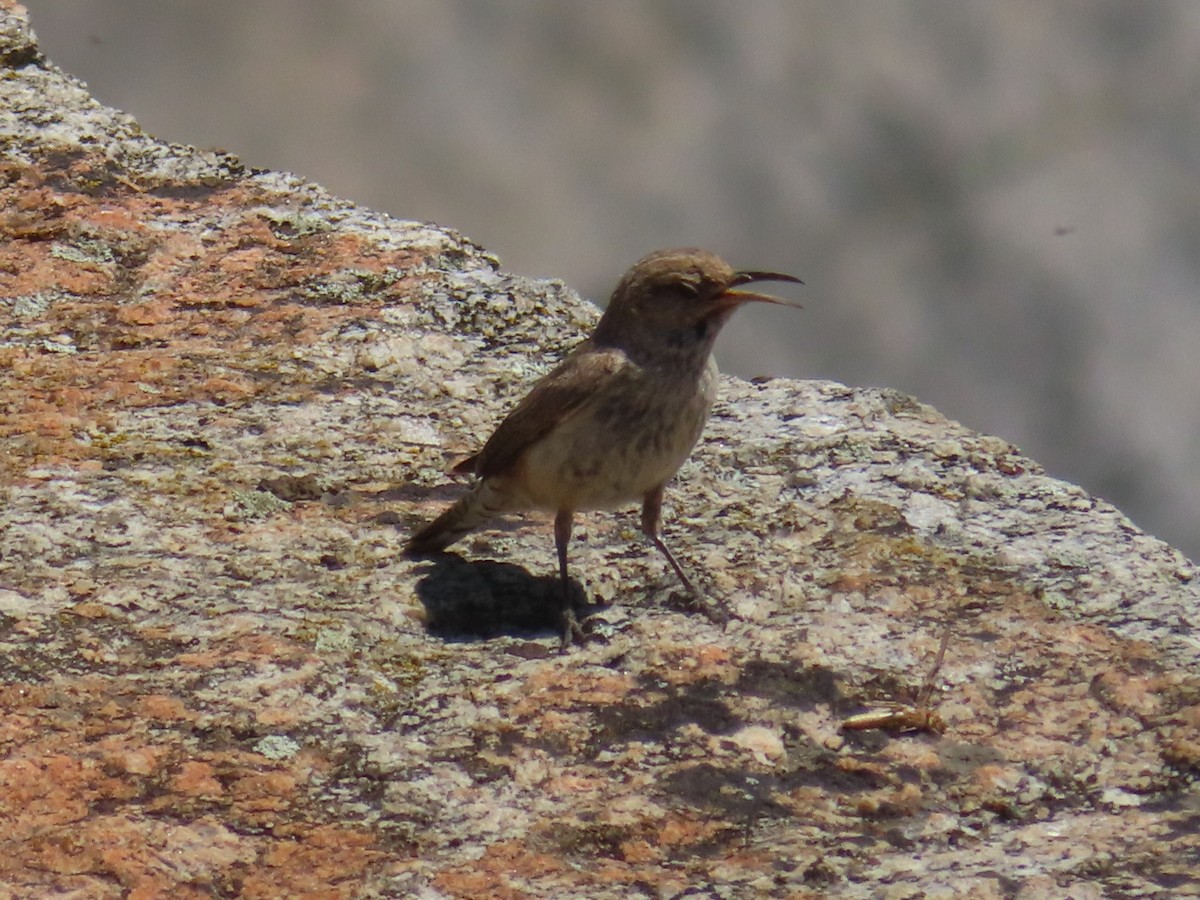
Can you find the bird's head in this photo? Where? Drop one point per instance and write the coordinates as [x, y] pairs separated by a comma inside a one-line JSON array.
[[680, 298]]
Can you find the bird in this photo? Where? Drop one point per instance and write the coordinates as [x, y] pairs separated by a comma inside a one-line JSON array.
[[615, 420]]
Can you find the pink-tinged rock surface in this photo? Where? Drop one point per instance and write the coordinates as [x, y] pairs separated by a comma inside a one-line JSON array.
[[226, 396]]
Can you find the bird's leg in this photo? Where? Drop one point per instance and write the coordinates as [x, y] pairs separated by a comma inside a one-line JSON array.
[[562, 537], [651, 514]]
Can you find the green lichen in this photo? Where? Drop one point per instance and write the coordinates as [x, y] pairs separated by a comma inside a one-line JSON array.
[[254, 505], [87, 251], [348, 286], [277, 746], [31, 306], [288, 223], [336, 640]]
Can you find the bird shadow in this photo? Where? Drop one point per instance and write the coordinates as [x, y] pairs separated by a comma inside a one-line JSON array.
[[478, 599]]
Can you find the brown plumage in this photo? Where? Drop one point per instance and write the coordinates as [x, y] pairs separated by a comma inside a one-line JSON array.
[[617, 418]]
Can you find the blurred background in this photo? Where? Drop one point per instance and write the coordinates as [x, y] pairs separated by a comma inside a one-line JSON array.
[[995, 203]]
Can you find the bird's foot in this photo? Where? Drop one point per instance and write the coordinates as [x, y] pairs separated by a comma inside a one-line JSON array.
[[712, 603], [572, 630], [586, 627]]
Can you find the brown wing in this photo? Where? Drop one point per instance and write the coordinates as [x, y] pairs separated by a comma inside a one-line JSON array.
[[552, 400]]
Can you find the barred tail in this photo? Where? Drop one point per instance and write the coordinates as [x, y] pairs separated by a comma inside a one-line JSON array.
[[468, 513]]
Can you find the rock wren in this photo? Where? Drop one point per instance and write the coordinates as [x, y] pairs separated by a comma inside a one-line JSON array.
[[617, 418]]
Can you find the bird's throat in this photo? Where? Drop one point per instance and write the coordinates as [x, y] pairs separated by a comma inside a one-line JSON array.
[[682, 351]]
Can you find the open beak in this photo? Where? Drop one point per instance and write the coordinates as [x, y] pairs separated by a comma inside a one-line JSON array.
[[729, 297]]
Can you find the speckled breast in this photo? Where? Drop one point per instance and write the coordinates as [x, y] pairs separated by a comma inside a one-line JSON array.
[[631, 437]]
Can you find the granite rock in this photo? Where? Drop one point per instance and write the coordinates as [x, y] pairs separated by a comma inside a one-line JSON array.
[[227, 396]]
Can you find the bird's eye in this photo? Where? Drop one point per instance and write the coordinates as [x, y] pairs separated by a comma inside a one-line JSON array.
[[689, 286]]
